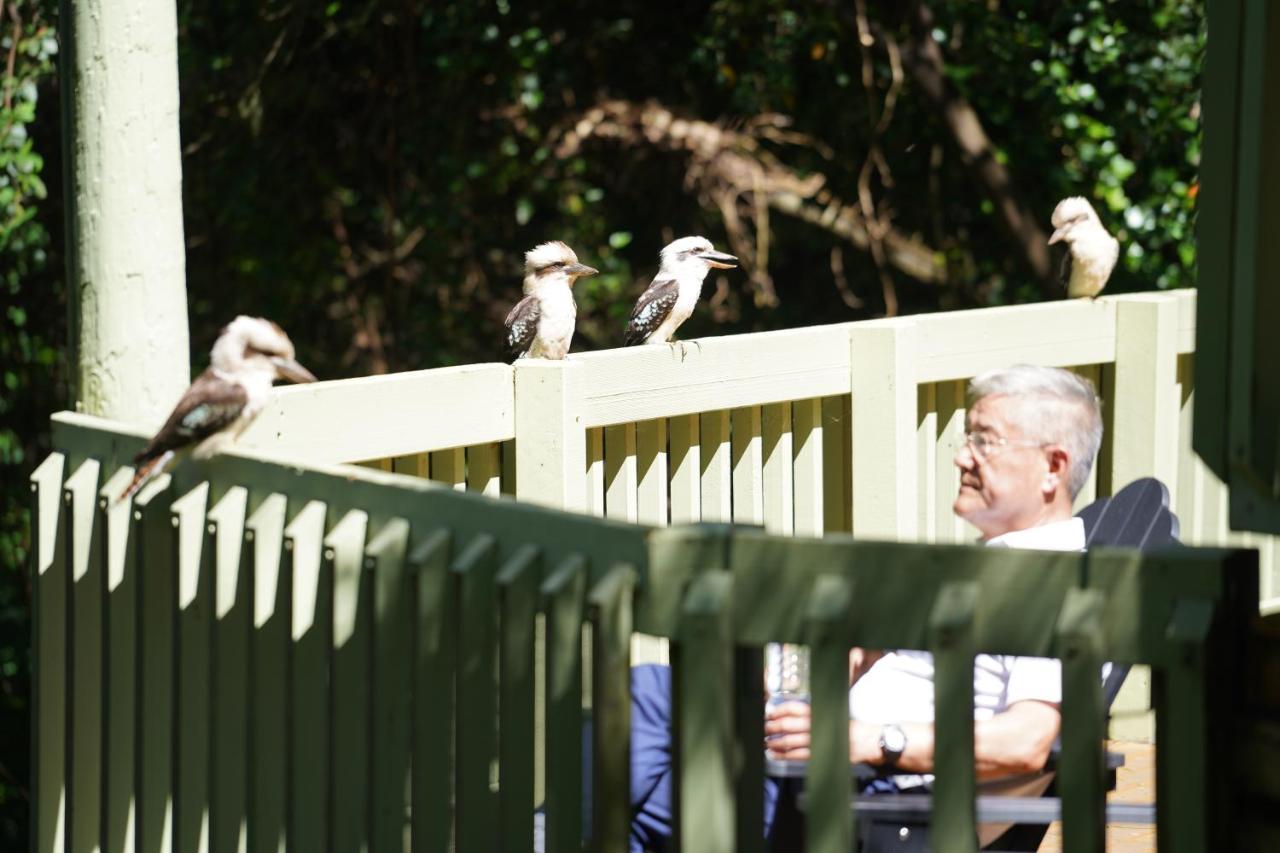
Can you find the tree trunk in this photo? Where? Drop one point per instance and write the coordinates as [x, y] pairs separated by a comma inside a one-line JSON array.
[[125, 251]]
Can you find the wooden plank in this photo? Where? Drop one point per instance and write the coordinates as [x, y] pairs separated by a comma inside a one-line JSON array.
[[195, 567], [808, 484], [417, 411], [563, 597], [415, 465], [433, 640], [120, 623], [952, 637], [686, 470], [450, 467], [49, 654], [508, 467], [927, 463], [717, 492], [837, 464], [1081, 780], [705, 817], [517, 584], [84, 677], [640, 383], [1145, 413], [475, 737], [553, 447], [829, 826], [748, 467], [778, 486], [484, 469], [949, 400], [350, 683], [232, 619], [884, 361], [308, 667], [748, 723], [264, 546], [1089, 492], [609, 608], [391, 740], [620, 472], [595, 471], [651, 472]]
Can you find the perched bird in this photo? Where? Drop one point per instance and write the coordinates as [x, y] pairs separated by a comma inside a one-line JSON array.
[[674, 292], [249, 355], [1091, 251], [541, 324]]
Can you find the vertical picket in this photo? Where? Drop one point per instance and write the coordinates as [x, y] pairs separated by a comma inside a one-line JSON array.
[[717, 493], [120, 620], [806, 417], [476, 729], [949, 400], [84, 682], [517, 584], [194, 629], [927, 463], [232, 600], [563, 602], [778, 484], [748, 467], [308, 668], [384, 562], [829, 829], [450, 467], [651, 472], [154, 732], [686, 468], [484, 469], [952, 629], [620, 472], [49, 651], [610, 614], [1081, 779], [837, 464], [432, 704], [349, 683]]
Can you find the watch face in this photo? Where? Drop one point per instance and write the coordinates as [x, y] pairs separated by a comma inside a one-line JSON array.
[[892, 739]]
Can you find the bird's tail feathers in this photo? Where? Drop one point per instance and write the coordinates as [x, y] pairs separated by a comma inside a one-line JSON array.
[[148, 469]]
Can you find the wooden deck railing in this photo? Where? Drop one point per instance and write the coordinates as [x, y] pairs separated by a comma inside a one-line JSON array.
[[262, 653]]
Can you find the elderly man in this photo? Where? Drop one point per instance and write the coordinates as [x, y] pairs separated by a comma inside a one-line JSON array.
[[1033, 433]]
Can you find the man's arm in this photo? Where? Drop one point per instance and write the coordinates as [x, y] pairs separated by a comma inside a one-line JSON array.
[[1014, 741]]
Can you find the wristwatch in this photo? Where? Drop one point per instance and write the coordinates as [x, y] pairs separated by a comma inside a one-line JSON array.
[[893, 742]]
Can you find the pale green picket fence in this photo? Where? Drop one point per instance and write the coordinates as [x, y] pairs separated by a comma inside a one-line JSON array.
[[254, 654]]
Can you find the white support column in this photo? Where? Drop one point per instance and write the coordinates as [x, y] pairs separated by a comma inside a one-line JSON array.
[[1146, 416], [551, 444], [883, 360], [124, 208]]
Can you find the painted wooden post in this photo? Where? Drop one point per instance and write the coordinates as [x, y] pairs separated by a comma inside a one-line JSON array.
[[882, 359], [1145, 424], [124, 207], [551, 453]]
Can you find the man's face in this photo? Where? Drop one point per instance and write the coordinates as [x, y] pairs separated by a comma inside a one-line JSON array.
[[1004, 488]]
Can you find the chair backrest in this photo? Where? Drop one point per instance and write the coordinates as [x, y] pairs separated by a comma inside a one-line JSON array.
[[1137, 516]]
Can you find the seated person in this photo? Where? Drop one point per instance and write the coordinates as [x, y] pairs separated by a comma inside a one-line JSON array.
[[1033, 433]]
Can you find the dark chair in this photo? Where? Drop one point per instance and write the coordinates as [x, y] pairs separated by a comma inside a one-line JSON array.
[[1138, 516]]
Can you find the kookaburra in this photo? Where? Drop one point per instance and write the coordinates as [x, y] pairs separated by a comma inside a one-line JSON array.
[[541, 324], [250, 354], [1091, 251], [674, 292]]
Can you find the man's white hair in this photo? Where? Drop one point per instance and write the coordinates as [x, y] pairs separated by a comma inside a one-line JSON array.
[[1065, 410]]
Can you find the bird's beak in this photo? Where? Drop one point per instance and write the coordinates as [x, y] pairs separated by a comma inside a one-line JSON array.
[[1058, 235], [719, 260], [287, 368], [580, 269]]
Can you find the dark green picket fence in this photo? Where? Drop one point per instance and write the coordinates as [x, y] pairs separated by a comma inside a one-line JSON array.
[[253, 654]]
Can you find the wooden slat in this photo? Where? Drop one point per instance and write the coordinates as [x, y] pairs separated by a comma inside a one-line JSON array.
[[808, 483], [717, 493], [418, 410], [120, 622], [432, 707], [748, 723], [476, 729], [415, 465], [1181, 716], [195, 568], [829, 828], [927, 463], [517, 584], [1089, 492], [508, 467], [350, 682], [884, 365], [84, 683], [620, 472], [49, 651], [311, 629], [949, 400], [610, 607], [778, 484], [686, 468], [563, 596], [232, 618], [391, 742], [1081, 780], [268, 730], [595, 471], [154, 732], [450, 467], [484, 469], [952, 637], [651, 472], [837, 464], [748, 467]]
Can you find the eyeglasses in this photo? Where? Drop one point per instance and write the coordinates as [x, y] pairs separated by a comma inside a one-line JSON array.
[[988, 444]]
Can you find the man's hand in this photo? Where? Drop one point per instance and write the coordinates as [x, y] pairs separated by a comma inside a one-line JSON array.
[[787, 726]]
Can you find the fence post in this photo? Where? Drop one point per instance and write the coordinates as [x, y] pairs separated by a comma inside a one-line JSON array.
[[551, 443], [952, 629], [1083, 721], [610, 611], [883, 364], [829, 826]]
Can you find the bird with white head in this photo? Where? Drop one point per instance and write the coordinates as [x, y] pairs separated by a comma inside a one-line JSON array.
[[249, 355], [541, 324], [671, 296], [1091, 251]]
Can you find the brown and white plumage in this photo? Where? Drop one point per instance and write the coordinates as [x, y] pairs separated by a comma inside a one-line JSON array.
[[249, 355], [674, 291], [1091, 251], [541, 324]]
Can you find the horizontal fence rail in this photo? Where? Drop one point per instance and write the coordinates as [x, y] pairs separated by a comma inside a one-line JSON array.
[[260, 654]]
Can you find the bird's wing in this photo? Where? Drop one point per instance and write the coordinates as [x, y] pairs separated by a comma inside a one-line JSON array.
[[522, 325], [651, 309], [212, 403], [1064, 271]]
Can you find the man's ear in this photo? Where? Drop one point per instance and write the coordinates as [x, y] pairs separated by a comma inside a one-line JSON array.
[[1059, 473]]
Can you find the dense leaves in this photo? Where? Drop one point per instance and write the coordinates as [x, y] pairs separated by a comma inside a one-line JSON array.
[[370, 173]]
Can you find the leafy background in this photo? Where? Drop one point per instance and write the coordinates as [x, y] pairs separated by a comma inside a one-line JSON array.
[[370, 173]]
